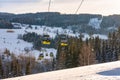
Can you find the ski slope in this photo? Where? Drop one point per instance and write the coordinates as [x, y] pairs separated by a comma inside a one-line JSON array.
[[105, 71], [95, 23], [17, 46], [10, 41]]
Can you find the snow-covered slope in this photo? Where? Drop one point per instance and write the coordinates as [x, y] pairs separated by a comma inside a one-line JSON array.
[[52, 31], [10, 41], [105, 71], [104, 37], [95, 23], [9, 38]]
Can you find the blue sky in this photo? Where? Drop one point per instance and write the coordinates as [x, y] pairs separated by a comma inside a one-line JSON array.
[[105, 7]]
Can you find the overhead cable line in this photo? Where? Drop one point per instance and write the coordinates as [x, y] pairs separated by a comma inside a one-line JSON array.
[[49, 5], [79, 6]]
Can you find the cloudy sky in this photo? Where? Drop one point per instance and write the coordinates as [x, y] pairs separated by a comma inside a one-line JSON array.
[[105, 7]]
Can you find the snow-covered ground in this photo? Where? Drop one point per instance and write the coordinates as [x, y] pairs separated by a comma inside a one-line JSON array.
[[10, 41], [95, 23], [104, 37], [105, 71], [100, 36], [52, 31], [17, 46]]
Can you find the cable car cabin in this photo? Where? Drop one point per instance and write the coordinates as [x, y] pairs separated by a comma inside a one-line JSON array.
[[41, 56], [46, 40], [51, 54], [64, 41]]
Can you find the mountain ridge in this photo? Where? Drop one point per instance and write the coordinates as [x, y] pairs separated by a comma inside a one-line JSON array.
[[77, 22]]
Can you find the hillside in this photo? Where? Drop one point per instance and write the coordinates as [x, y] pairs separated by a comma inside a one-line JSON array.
[[105, 71], [8, 39], [83, 23], [26, 39]]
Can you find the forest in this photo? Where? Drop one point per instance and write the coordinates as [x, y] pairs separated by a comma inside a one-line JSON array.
[[77, 22], [78, 53]]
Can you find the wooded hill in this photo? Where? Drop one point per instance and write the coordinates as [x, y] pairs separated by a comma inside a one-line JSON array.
[[78, 22]]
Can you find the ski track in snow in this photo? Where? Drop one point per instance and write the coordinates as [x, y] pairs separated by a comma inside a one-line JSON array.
[[105, 71]]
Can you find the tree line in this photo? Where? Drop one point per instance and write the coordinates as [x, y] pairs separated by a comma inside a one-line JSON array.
[[12, 65], [90, 51], [78, 53], [37, 40]]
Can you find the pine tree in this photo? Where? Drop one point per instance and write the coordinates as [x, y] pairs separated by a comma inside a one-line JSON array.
[[1, 69], [103, 52], [118, 42], [87, 55], [70, 54], [14, 65], [61, 56], [28, 68], [77, 46], [7, 52], [97, 48]]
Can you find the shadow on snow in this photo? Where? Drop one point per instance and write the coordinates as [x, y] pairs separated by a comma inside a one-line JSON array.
[[113, 72]]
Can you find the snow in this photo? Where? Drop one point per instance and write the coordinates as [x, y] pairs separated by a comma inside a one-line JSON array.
[[112, 28], [10, 40], [52, 31], [95, 23], [100, 36], [94, 35], [104, 71], [85, 36]]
